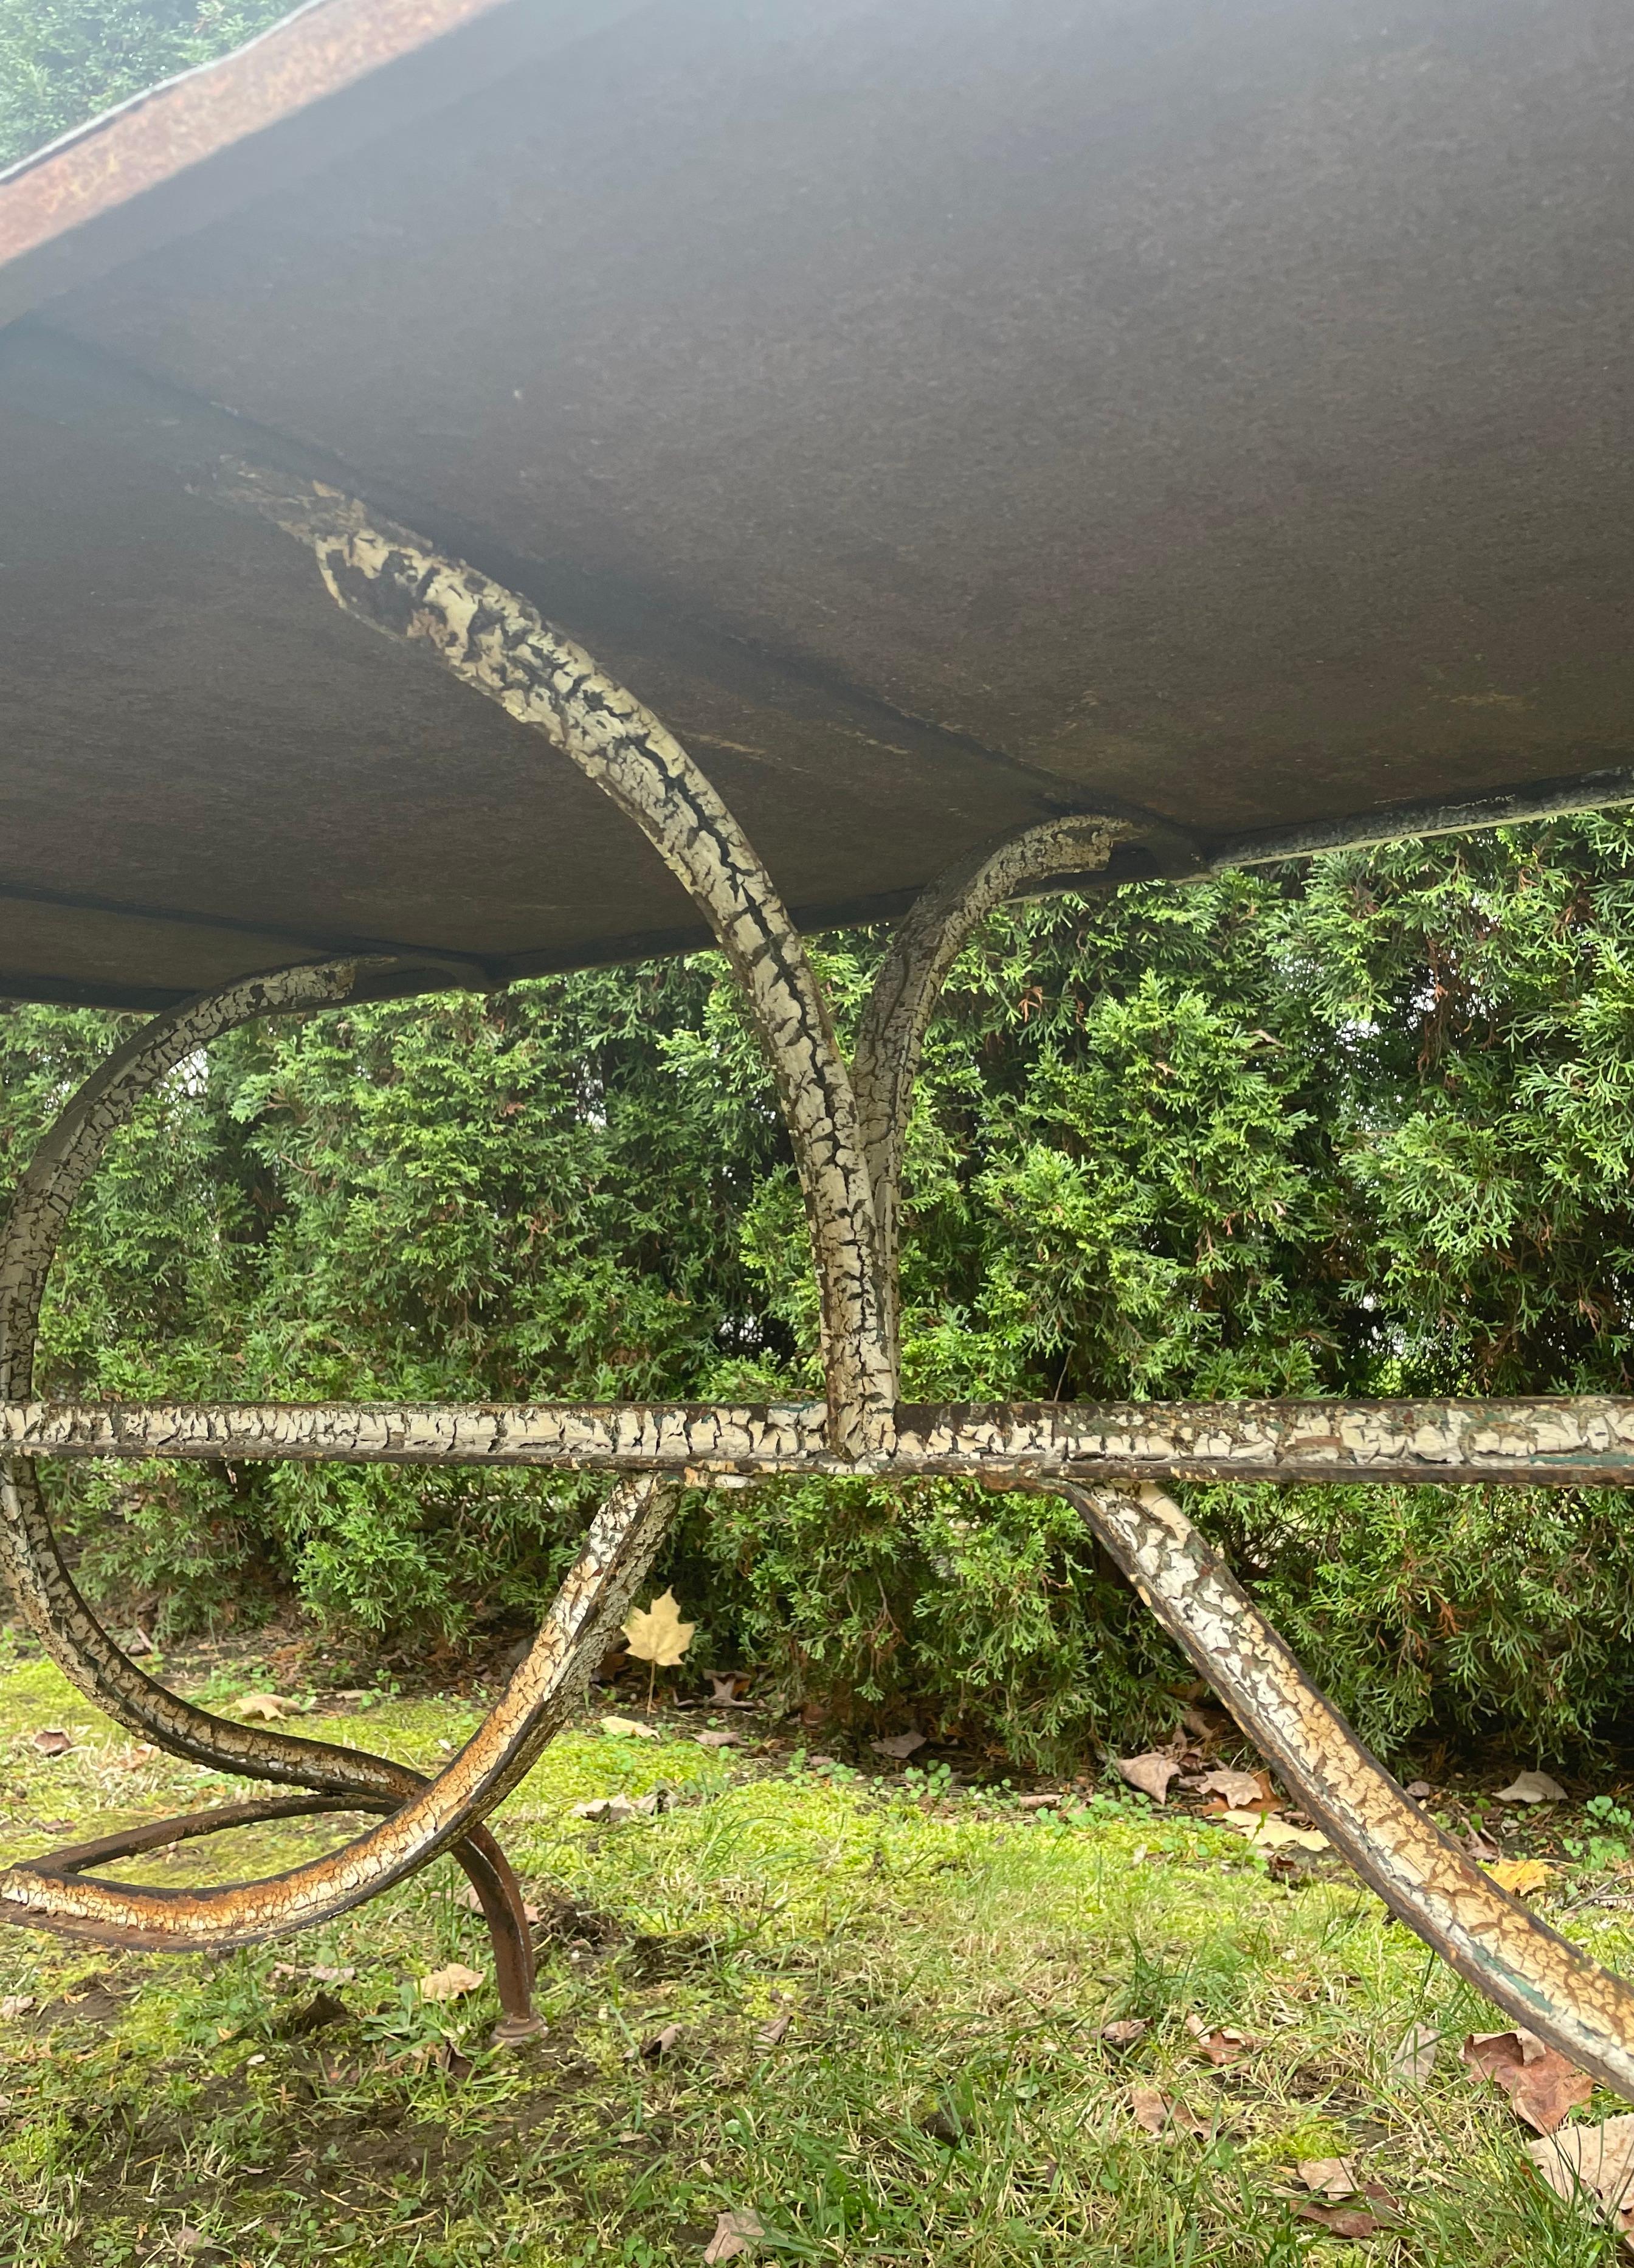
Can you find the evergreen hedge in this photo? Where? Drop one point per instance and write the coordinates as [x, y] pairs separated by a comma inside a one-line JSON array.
[[1362, 1126]]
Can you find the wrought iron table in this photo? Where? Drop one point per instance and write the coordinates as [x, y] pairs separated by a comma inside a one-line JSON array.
[[276, 743]]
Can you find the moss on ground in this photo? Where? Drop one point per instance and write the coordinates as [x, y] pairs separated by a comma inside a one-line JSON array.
[[945, 1962]]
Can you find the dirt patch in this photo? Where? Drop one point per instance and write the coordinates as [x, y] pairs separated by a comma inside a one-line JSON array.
[[99, 1999], [564, 1921], [685, 1953]]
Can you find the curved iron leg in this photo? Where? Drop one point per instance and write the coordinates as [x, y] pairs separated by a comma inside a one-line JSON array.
[[592, 1600], [1505, 1951], [51, 1603], [496, 642], [497, 1888]]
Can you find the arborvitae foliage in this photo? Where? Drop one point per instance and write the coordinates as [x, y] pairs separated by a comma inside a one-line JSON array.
[[62, 60], [1362, 1127]]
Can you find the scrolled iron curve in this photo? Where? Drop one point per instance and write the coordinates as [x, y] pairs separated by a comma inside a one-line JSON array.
[[847, 1137], [422, 1817]]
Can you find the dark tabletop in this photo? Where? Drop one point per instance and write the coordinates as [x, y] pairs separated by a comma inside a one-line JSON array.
[[942, 412]]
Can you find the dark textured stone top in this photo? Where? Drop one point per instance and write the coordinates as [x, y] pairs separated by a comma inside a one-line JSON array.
[[944, 413]]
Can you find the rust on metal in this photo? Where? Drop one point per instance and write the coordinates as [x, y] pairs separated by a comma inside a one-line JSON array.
[[617, 1550], [499, 644]]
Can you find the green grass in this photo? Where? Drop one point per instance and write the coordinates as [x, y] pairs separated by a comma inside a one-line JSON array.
[[941, 2094]]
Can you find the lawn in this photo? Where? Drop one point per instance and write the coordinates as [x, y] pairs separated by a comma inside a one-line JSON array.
[[880, 1999]]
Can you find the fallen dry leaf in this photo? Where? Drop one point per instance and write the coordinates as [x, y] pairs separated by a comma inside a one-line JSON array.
[[1331, 2177], [616, 1809], [1157, 2111], [14, 2004], [267, 1706], [1414, 2059], [735, 2234], [1369, 2205], [1479, 1847], [1542, 2085], [900, 1745], [1278, 1835], [448, 1983], [1221, 2044], [1037, 1802], [719, 1740], [1418, 1789], [1151, 2107], [659, 1635], [772, 2035], [1150, 1773], [660, 2043], [332, 1976], [1339, 2219], [192, 2244], [1238, 1788], [627, 1728], [1532, 1788], [726, 1689], [1124, 2031], [52, 1740], [1598, 2160], [1522, 1876]]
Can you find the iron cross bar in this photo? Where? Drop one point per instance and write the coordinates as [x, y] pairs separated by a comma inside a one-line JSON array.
[[1552, 1442]]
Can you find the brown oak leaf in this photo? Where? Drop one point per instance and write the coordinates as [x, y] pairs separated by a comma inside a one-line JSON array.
[[1598, 2160], [1158, 2112], [1542, 2085], [735, 2234], [1151, 1773]]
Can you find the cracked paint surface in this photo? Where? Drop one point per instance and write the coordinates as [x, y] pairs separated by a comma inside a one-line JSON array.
[[847, 1135], [1546, 1441], [497, 644], [1533, 1973]]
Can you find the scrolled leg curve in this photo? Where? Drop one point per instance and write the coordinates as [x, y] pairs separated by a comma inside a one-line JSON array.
[[617, 1551], [897, 1013], [1502, 1949], [422, 1817], [495, 641]]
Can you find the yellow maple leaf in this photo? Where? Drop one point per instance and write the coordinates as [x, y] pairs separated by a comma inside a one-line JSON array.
[[659, 1635], [1520, 1876]]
